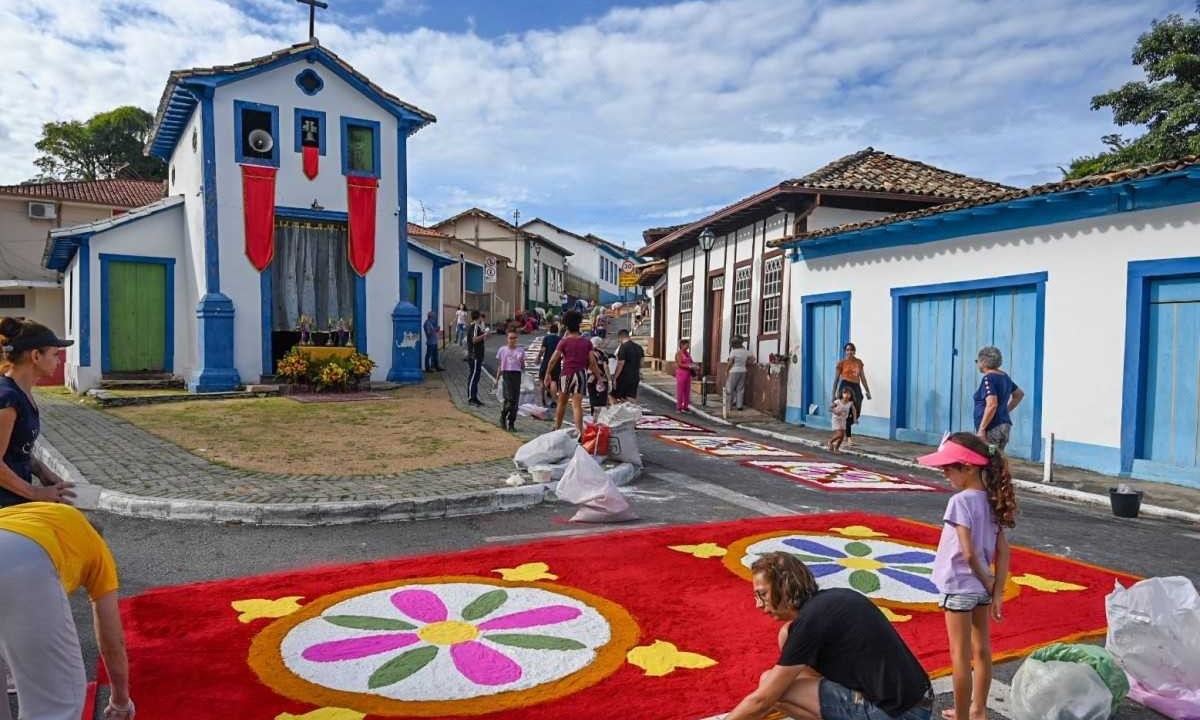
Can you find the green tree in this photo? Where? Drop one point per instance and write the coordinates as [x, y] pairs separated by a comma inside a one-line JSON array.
[[1167, 102], [108, 145]]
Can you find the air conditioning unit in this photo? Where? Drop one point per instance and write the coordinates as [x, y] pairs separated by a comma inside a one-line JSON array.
[[42, 211]]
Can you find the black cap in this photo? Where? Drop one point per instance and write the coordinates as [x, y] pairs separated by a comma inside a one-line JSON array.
[[34, 340]]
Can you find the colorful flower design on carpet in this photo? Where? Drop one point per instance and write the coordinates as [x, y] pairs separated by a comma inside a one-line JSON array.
[[666, 422], [893, 573], [441, 648], [724, 446], [836, 476]]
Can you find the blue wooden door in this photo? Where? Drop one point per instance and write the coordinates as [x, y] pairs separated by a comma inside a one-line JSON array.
[[823, 340], [1170, 424], [944, 334]]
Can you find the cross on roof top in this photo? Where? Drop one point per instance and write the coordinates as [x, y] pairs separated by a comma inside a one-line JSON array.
[[312, 15]]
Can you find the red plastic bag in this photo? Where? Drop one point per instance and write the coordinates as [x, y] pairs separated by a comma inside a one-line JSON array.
[[595, 440]]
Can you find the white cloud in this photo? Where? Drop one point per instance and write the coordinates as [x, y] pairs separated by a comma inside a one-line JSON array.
[[641, 115]]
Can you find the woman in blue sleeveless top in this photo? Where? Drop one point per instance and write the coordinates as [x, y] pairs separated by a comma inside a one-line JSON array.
[[30, 352]]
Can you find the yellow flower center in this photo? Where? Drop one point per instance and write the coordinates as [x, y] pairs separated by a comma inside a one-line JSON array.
[[860, 563], [449, 632]]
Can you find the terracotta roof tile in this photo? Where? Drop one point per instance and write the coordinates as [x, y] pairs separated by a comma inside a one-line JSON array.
[[114, 193], [870, 170], [415, 229], [1091, 181]]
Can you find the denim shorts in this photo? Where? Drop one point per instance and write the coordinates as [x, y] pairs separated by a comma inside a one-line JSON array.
[[841, 703], [963, 602]]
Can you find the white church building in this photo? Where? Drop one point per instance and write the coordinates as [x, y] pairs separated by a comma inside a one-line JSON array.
[[286, 197]]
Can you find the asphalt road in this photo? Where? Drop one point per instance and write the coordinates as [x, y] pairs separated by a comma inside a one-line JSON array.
[[679, 487]]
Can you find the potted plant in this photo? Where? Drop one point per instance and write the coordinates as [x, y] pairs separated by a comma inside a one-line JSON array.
[[360, 367], [332, 376], [293, 367]]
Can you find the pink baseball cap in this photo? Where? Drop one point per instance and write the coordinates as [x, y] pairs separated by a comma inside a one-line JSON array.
[[949, 453]]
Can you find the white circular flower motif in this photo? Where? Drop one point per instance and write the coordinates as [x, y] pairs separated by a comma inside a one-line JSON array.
[[445, 641]]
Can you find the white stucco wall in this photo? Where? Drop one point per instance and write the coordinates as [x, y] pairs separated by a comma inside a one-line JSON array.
[[1087, 266], [239, 279], [189, 181]]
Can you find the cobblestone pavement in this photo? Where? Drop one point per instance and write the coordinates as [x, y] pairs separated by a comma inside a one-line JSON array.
[[119, 456]]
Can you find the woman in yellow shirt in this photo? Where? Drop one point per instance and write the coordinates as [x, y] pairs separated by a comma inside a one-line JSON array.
[[50, 550]]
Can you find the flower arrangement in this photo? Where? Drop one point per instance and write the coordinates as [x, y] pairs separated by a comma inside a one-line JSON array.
[[294, 366], [331, 376], [360, 366]]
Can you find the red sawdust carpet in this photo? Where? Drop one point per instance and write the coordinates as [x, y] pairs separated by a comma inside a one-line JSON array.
[[655, 624]]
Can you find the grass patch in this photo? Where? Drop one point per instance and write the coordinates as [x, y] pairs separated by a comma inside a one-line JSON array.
[[421, 428]]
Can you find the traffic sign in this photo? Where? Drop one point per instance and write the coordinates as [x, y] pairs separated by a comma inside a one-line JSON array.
[[627, 266], [490, 261], [627, 280], [489, 273]]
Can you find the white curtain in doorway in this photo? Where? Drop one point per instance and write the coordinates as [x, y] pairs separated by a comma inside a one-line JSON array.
[[310, 275]]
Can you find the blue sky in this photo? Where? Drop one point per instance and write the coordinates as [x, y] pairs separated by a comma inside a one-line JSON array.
[[614, 117]]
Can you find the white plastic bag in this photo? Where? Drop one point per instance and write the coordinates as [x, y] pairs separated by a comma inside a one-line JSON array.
[[585, 483], [547, 448], [1154, 632], [1058, 690], [623, 445], [619, 415]]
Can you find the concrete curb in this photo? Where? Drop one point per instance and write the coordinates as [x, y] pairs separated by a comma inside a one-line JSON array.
[[1061, 493]]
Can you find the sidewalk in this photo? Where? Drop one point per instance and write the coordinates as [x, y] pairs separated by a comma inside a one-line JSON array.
[[142, 475], [1162, 500]]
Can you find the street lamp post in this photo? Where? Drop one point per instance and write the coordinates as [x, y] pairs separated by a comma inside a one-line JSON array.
[[707, 239], [537, 272]]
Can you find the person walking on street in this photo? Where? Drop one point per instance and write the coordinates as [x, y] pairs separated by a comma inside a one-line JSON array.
[[972, 540], [510, 362], [50, 550], [30, 353], [840, 412], [574, 353], [684, 368], [735, 376], [598, 380], [477, 335], [431, 343], [851, 373], [995, 399], [628, 374], [549, 343], [460, 325], [839, 657]]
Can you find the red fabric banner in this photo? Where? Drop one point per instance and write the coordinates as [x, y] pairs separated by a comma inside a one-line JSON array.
[[311, 155], [258, 206], [360, 192]]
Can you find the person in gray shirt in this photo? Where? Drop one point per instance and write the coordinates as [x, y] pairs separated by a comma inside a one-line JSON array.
[[735, 381]]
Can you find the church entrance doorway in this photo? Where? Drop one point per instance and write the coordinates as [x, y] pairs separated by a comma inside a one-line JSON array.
[[310, 280]]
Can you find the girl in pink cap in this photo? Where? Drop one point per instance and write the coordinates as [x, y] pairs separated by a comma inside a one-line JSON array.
[[972, 561]]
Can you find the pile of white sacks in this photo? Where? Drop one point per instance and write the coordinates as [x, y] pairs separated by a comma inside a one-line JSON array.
[[580, 478]]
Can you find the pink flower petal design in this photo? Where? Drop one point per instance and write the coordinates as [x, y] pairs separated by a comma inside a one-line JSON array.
[[420, 605], [354, 648], [548, 615], [484, 666]]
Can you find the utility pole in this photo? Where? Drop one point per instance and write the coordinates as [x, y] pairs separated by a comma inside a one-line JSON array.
[[516, 258]]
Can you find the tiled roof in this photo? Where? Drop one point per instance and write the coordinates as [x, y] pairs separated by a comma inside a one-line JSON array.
[[1083, 183], [477, 212], [651, 235], [415, 229], [870, 170], [113, 193], [564, 231]]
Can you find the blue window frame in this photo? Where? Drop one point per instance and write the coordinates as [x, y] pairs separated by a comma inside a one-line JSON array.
[[309, 82], [244, 111], [474, 278], [299, 116], [358, 165]]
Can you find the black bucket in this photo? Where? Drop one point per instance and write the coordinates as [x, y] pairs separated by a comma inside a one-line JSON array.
[[1125, 505]]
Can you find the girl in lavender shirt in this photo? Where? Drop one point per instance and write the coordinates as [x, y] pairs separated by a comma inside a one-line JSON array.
[[972, 540]]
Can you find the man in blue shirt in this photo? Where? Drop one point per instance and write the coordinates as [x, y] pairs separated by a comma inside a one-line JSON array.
[[431, 343]]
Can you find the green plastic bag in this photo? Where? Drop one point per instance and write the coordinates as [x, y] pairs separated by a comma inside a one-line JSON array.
[[1097, 657]]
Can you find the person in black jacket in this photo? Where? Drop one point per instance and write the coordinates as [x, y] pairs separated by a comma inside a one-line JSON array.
[[477, 335]]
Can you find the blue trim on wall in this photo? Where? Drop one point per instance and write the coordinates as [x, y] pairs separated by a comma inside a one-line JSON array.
[[296, 213], [419, 292], [273, 110], [439, 260], [1156, 191], [169, 340], [1162, 472], [1137, 309], [360, 313], [435, 295], [900, 298], [1100, 458], [63, 247], [806, 347], [298, 115], [374, 126], [208, 148], [85, 301], [267, 318], [309, 72], [406, 319]]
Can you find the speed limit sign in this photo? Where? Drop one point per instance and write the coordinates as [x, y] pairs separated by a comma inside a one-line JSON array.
[[627, 266]]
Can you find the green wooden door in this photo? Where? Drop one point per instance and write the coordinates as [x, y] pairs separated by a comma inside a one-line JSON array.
[[137, 316]]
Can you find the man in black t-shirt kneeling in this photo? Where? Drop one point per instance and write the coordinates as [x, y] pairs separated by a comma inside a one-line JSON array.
[[840, 658]]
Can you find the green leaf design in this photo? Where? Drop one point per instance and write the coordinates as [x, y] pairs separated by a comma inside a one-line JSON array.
[[535, 642], [811, 558], [401, 666], [920, 569], [858, 549], [863, 581], [483, 605], [366, 622]]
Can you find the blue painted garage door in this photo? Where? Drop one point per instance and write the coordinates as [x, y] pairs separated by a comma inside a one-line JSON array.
[[823, 348], [1171, 428], [943, 334]]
